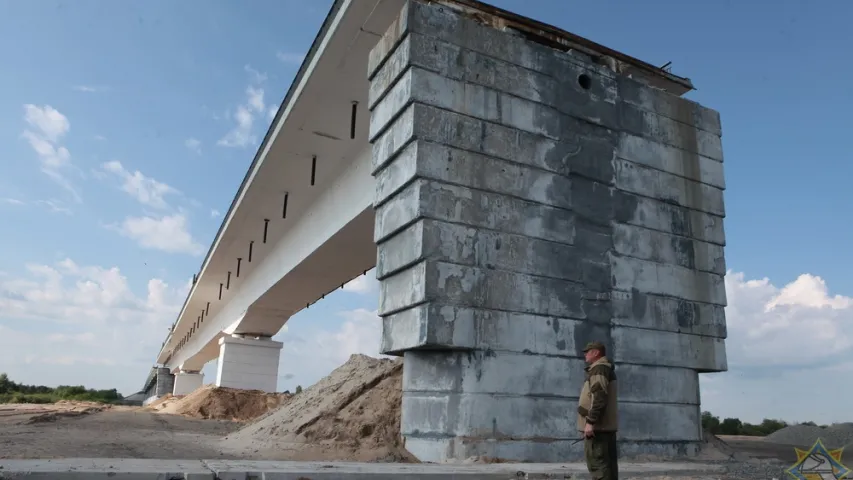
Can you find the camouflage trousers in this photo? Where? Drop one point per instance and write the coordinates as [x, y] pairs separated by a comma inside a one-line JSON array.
[[601, 453]]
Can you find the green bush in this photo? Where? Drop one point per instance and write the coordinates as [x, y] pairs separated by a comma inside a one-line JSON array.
[[11, 392], [734, 426]]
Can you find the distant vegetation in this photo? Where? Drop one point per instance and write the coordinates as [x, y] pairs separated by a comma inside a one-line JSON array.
[[298, 389], [11, 392], [734, 426]]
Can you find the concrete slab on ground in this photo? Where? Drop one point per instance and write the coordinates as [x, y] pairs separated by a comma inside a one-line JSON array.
[[135, 469]]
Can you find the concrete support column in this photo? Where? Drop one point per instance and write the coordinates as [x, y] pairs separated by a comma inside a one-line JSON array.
[[187, 382], [528, 201], [165, 382], [248, 363]]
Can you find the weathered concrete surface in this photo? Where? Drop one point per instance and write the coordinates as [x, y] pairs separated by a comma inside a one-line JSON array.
[[132, 469], [528, 201]]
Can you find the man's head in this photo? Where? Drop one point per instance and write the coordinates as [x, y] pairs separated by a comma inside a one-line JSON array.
[[593, 351]]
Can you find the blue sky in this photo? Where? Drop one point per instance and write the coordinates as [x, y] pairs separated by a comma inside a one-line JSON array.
[[151, 91]]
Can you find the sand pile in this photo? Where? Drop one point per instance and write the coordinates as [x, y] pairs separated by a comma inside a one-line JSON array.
[[220, 403], [161, 402], [834, 436], [352, 414]]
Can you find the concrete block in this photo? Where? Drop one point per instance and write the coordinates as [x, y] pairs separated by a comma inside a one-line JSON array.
[[659, 247], [670, 132], [248, 363], [649, 277], [463, 286], [475, 208], [488, 416], [657, 384], [493, 372], [646, 311], [445, 164], [670, 349], [669, 159], [450, 448], [490, 249], [186, 383], [560, 90], [658, 215], [395, 63], [449, 26], [647, 182], [519, 215], [583, 149], [667, 105], [431, 326], [388, 42], [429, 88], [533, 417], [165, 382]]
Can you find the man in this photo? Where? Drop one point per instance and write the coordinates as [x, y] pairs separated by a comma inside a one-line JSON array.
[[597, 414]]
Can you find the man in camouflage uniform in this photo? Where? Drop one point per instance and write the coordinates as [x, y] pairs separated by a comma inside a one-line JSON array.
[[597, 414]]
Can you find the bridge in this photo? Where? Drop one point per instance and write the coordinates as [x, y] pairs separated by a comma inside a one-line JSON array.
[[520, 191]]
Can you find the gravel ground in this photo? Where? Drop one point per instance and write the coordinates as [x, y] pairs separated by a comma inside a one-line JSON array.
[[834, 436]]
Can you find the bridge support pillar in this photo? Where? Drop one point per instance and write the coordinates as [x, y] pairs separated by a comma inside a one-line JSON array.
[[528, 201], [165, 382], [248, 363], [187, 382]]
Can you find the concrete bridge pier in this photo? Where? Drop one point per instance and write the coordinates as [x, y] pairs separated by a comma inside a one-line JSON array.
[[529, 200], [187, 381], [249, 363]]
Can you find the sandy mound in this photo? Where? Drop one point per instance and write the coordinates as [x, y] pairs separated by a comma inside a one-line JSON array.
[[352, 414], [220, 403], [160, 402]]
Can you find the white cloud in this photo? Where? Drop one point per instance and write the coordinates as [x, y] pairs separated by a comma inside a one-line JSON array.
[[55, 206], [57, 318], [193, 144], [89, 88], [242, 134], [100, 138], [169, 233], [214, 213], [46, 127], [290, 57], [47, 121], [146, 190], [797, 324], [363, 283], [271, 111], [789, 352], [12, 201]]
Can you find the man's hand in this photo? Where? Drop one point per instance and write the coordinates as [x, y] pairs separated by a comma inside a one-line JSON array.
[[588, 432]]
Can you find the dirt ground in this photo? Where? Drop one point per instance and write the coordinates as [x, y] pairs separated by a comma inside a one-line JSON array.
[[92, 430], [41, 431], [353, 414]]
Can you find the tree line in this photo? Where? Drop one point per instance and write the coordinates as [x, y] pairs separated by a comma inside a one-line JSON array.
[[734, 426], [12, 392]]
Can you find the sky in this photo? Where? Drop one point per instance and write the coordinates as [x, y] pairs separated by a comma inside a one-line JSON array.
[[127, 127]]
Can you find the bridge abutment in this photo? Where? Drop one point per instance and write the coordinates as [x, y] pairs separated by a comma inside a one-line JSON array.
[[530, 200]]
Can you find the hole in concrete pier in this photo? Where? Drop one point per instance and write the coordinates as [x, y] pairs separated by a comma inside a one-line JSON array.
[[584, 81]]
